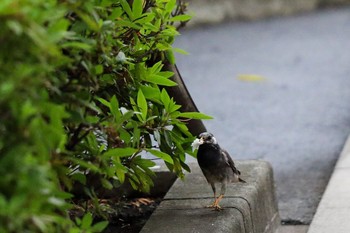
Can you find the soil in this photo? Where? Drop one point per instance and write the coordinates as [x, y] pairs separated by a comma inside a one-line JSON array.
[[126, 210], [125, 215], [132, 216]]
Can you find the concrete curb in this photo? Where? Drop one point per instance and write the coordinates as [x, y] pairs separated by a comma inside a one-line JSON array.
[[217, 11], [209, 11], [333, 212], [249, 207]]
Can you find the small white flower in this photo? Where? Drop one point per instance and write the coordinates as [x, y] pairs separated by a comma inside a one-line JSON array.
[[121, 57], [196, 143]]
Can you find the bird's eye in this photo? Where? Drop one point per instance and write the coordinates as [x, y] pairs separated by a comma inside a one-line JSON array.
[[209, 138]]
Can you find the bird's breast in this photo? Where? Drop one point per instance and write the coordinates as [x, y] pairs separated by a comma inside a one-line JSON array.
[[209, 156]]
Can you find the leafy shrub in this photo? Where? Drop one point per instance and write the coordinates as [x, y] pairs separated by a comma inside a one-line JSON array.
[[83, 91]]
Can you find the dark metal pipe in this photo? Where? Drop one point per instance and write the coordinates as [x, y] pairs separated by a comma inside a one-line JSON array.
[[183, 97]]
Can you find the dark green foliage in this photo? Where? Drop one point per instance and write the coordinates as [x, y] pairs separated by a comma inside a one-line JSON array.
[[82, 92]]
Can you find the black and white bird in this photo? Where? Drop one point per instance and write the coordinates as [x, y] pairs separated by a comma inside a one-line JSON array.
[[216, 165]]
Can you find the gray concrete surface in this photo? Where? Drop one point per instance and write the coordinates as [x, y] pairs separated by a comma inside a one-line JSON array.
[[333, 212], [296, 114], [293, 229], [249, 207], [210, 12]]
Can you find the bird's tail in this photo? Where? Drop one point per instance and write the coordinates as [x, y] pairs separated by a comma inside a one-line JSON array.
[[242, 181]]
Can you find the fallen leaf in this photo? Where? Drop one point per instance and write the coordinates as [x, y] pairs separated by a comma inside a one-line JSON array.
[[251, 78]]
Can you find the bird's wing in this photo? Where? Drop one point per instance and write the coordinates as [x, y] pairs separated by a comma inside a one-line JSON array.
[[230, 162]]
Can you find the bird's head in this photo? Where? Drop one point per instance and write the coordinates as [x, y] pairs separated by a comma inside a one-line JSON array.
[[204, 138]]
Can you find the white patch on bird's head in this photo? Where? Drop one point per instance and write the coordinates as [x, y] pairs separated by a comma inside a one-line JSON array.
[[213, 140]]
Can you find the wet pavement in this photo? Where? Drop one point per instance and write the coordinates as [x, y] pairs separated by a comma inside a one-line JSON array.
[[279, 90]]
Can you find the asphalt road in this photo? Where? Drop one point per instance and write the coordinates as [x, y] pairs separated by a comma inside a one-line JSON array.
[[294, 114]]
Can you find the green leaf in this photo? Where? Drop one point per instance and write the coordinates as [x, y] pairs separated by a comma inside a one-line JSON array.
[[98, 69], [160, 80], [151, 27], [121, 173], [166, 74], [142, 104], [156, 68], [56, 201], [152, 118], [144, 179], [180, 18], [59, 25], [137, 8], [144, 163], [134, 182], [170, 5], [168, 139], [165, 98], [84, 164], [15, 26], [136, 109], [150, 93], [162, 155], [77, 45], [195, 115], [170, 32], [114, 107], [116, 13], [134, 105], [124, 23], [173, 107], [104, 102], [100, 226], [162, 46], [181, 51], [170, 56], [92, 24], [126, 116], [185, 166], [119, 169], [86, 222], [124, 135], [127, 9], [157, 136], [39, 222], [79, 177], [106, 183], [120, 152], [136, 137], [183, 128]]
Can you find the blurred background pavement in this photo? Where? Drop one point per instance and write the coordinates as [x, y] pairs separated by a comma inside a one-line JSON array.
[[279, 90]]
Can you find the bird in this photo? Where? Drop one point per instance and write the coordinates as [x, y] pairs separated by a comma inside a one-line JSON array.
[[216, 164]]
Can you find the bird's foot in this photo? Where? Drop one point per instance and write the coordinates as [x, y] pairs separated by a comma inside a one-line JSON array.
[[210, 206], [215, 206]]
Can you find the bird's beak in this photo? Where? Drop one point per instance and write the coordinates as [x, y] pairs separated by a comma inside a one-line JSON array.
[[201, 141]]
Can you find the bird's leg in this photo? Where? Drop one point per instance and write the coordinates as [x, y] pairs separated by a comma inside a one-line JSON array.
[[217, 200], [214, 191], [216, 203]]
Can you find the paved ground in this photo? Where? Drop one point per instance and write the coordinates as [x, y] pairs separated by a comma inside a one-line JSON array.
[[249, 207], [293, 229], [297, 117], [334, 209]]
